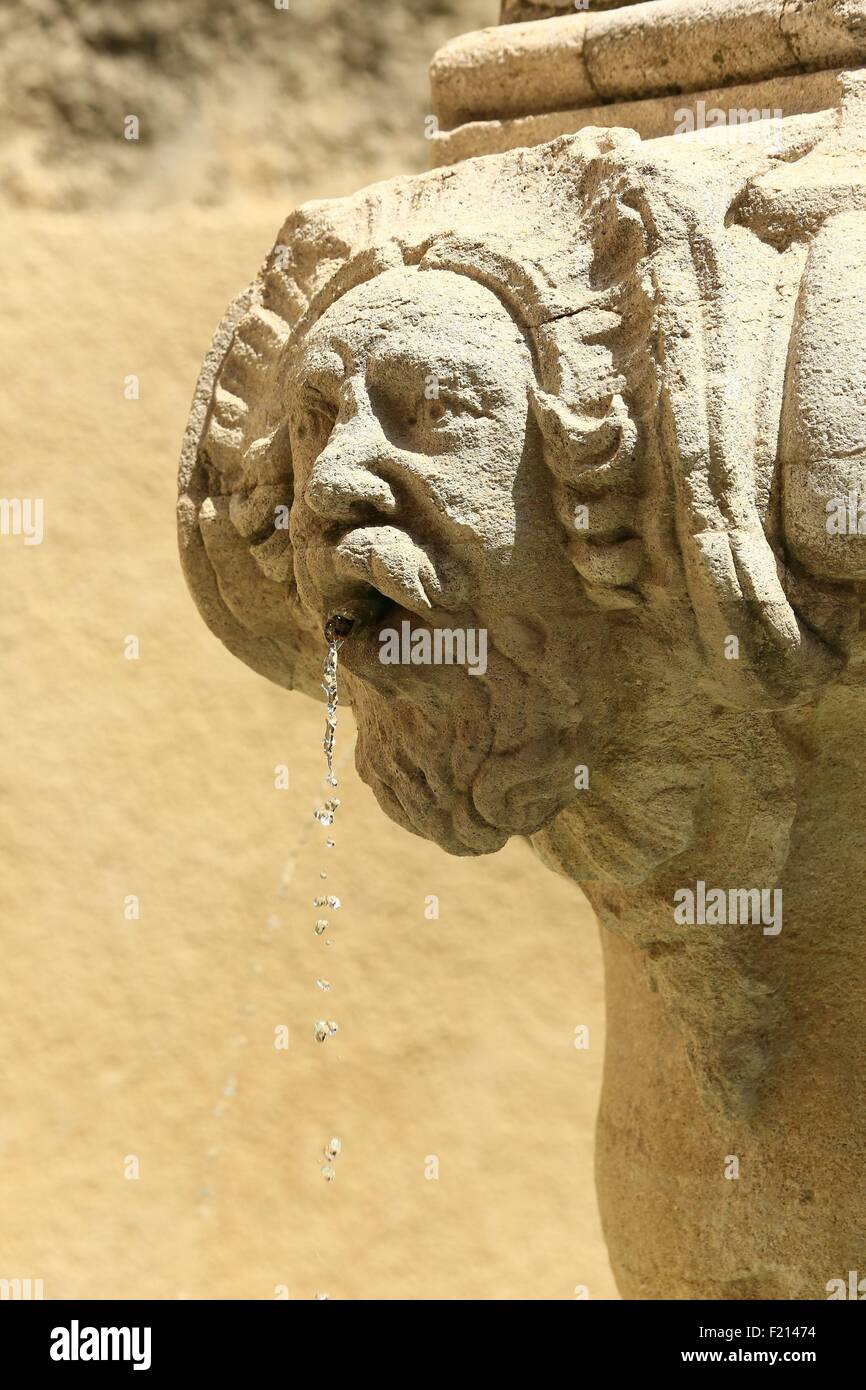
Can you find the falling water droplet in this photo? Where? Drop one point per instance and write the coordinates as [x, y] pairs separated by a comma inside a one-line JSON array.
[[325, 1029], [324, 984], [334, 1148], [328, 1172], [330, 901]]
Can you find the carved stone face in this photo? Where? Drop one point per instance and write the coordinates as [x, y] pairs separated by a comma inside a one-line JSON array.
[[422, 498], [587, 477]]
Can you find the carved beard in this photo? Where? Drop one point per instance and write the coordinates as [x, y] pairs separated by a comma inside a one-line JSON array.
[[462, 760]]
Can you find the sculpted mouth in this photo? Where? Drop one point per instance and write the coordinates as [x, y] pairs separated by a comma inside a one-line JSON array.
[[338, 625], [350, 607], [374, 577]]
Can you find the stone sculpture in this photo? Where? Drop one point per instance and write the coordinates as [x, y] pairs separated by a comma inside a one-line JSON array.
[[603, 399]]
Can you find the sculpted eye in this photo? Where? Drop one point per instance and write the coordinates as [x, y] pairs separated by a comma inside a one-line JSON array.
[[317, 416], [424, 415]]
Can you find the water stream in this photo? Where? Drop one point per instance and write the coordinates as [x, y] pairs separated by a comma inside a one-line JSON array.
[[335, 629]]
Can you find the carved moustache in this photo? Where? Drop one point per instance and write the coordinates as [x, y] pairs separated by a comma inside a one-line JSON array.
[[374, 566]]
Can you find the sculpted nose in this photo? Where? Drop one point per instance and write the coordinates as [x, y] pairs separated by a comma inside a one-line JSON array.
[[344, 484]]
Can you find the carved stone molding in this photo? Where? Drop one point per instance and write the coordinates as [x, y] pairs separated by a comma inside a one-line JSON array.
[[638, 66]]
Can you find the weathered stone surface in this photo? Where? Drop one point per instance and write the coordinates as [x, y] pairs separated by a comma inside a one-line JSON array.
[[511, 71], [805, 94], [814, 28], [627, 53], [683, 45], [592, 398]]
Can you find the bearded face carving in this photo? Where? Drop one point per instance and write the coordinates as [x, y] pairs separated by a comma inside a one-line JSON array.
[[416, 465], [521, 396]]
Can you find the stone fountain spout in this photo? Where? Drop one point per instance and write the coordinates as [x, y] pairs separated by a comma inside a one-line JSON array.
[[602, 398]]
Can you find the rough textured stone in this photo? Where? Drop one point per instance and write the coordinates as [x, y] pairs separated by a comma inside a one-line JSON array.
[[806, 94], [668, 46], [510, 71], [682, 45], [646, 383], [814, 28]]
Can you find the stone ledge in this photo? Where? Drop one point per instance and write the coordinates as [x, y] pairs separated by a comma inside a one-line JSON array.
[[798, 98], [655, 49]]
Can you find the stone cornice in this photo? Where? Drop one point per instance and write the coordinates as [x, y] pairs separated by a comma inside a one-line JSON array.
[[655, 49]]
